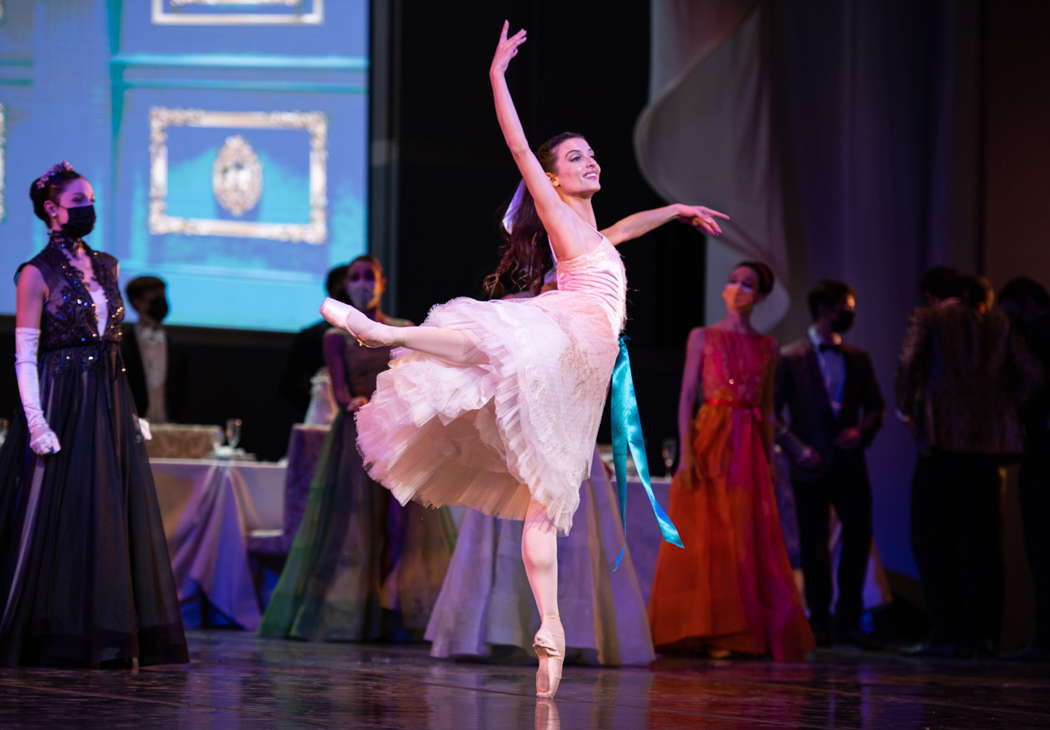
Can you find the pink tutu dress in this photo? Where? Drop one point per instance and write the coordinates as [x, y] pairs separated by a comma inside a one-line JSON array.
[[521, 421]]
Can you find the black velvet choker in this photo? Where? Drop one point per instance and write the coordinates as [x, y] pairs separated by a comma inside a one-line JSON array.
[[64, 242]]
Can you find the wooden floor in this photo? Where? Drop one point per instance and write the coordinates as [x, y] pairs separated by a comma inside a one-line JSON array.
[[237, 680]]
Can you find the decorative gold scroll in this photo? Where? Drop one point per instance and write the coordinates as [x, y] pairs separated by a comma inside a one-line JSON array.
[[237, 16], [315, 124]]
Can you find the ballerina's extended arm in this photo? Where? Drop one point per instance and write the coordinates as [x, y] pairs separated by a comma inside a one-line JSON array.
[[562, 224], [638, 224]]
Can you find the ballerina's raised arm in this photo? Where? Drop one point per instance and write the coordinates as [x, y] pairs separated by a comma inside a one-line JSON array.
[[569, 222]]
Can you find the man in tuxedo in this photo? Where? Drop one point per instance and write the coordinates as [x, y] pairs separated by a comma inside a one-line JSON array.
[[306, 355], [829, 409], [155, 367]]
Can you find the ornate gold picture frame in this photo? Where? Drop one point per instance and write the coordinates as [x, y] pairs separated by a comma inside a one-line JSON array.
[[237, 15], [315, 124]]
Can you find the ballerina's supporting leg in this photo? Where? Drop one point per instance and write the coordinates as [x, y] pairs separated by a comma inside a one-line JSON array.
[[456, 346], [539, 552]]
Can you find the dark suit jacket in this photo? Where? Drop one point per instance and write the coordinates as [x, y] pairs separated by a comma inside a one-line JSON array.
[[811, 422], [174, 386], [962, 377]]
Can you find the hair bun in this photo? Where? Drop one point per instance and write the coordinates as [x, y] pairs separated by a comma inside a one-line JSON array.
[[766, 280]]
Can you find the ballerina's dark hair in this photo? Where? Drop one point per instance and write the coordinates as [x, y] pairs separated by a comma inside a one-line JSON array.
[[49, 186], [525, 255], [764, 274]]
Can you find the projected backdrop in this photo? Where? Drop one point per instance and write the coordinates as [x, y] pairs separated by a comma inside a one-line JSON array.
[[227, 143]]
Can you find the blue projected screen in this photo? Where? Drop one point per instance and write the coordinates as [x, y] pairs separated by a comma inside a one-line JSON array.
[[228, 149]]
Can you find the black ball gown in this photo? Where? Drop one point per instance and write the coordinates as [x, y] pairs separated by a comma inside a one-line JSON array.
[[85, 578]]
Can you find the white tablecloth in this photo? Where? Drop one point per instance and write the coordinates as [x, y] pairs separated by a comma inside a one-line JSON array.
[[209, 508]]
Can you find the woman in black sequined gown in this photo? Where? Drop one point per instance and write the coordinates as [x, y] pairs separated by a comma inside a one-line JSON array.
[[85, 578]]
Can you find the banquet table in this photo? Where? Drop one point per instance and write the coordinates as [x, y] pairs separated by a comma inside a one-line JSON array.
[[213, 509], [210, 507]]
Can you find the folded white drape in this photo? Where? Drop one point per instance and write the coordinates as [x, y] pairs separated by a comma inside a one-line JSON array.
[[706, 135]]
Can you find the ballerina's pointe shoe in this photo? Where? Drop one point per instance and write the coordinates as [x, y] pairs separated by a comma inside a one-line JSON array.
[[549, 645], [367, 331]]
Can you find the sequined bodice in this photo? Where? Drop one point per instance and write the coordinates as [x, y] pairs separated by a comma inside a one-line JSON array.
[[599, 272], [69, 315], [737, 367]]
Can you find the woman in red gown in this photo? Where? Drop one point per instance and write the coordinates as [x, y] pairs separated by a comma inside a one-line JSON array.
[[731, 590]]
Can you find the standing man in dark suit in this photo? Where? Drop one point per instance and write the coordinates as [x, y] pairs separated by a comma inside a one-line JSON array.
[[155, 366], [962, 376], [834, 408]]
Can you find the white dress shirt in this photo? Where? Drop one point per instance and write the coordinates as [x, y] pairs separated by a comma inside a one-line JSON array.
[[153, 345], [832, 367]]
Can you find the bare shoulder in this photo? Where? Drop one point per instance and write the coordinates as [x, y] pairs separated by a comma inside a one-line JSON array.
[[695, 341], [28, 275], [571, 235]]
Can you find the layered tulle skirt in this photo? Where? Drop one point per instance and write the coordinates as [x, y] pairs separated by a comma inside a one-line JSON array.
[[85, 578], [361, 567], [486, 608], [517, 422]]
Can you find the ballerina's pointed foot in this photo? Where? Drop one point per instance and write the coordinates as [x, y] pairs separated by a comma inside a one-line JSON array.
[[549, 645], [367, 331]]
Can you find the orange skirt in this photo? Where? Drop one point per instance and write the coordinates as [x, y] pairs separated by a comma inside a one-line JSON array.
[[732, 587]]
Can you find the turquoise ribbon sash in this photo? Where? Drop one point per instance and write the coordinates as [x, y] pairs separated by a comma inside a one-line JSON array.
[[627, 436]]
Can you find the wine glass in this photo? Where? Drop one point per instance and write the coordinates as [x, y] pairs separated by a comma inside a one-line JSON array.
[[669, 451], [216, 439], [233, 432]]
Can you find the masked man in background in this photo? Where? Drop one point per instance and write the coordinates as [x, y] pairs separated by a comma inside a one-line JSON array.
[[834, 408], [155, 367]]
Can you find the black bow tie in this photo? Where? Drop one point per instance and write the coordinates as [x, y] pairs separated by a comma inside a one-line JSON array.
[[825, 346]]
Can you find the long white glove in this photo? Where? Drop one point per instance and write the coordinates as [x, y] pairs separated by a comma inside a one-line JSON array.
[[42, 440]]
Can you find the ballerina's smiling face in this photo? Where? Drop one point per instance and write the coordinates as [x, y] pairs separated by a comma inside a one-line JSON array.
[[576, 170]]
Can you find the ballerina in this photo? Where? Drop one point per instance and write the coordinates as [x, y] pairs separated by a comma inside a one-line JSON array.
[[495, 405]]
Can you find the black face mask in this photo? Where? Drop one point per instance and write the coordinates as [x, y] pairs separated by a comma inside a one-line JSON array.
[[81, 221], [157, 309], [843, 320]]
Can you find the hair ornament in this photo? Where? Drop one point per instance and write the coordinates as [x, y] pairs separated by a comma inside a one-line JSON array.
[[45, 179], [512, 209]]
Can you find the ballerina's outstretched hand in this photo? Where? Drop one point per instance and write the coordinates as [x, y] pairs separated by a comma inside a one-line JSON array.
[[506, 49], [702, 217]]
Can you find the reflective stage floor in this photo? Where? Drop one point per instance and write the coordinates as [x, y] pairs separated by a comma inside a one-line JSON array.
[[237, 680]]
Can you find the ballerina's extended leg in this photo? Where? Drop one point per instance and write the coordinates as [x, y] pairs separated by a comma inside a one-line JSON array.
[[539, 552], [457, 346]]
